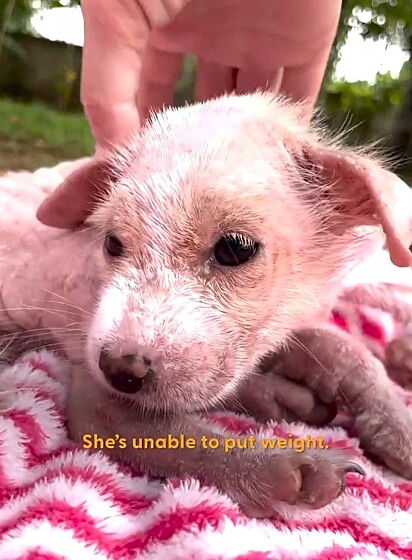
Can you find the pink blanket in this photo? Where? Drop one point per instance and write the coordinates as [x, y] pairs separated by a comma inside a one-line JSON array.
[[58, 501]]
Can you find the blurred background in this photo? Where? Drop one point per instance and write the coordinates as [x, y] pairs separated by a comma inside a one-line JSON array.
[[367, 90]]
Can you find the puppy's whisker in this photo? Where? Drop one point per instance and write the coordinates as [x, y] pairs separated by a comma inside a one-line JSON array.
[[345, 398], [4, 350], [309, 353], [68, 307], [61, 300], [45, 330], [42, 336], [57, 312], [237, 404]]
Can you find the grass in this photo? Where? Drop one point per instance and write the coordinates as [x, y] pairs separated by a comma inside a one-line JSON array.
[[408, 178], [33, 135]]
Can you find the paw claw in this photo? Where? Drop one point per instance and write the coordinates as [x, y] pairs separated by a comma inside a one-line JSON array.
[[354, 468]]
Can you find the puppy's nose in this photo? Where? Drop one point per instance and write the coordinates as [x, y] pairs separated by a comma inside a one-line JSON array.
[[125, 373]]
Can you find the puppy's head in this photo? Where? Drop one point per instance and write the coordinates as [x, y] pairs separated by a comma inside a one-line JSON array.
[[226, 226]]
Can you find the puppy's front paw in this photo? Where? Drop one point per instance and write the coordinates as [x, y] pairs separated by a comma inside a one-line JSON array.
[[271, 396], [311, 480], [398, 360], [389, 438]]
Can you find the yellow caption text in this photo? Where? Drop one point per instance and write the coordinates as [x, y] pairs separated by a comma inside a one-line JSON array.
[[298, 444]]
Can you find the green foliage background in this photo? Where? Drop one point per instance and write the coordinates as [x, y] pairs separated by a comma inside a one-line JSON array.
[[368, 111]]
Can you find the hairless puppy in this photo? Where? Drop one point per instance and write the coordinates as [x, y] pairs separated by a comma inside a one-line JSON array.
[[218, 238]]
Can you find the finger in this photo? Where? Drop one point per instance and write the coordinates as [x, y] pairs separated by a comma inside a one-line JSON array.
[[312, 27], [250, 80], [213, 80], [302, 83], [159, 74], [115, 39], [116, 35]]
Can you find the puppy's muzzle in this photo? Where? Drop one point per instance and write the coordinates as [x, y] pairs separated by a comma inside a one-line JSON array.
[[126, 374]]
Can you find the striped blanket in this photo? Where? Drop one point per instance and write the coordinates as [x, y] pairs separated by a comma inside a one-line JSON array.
[[58, 501]]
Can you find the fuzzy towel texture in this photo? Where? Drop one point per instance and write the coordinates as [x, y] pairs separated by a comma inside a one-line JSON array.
[[58, 501]]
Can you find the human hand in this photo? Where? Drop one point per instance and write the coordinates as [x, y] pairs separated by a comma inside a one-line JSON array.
[[132, 58]]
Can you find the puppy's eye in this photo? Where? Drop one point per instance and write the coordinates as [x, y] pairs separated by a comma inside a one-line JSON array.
[[235, 249], [113, 246]]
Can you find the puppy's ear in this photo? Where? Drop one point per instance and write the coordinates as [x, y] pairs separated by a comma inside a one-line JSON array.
[[75, 199], [359, 192]]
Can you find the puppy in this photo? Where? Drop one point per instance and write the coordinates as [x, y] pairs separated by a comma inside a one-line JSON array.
[[225, 229]]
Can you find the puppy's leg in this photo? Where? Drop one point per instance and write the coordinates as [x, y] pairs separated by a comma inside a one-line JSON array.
[[268, 395], [337, 367], [398, 360], [256, 479]]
